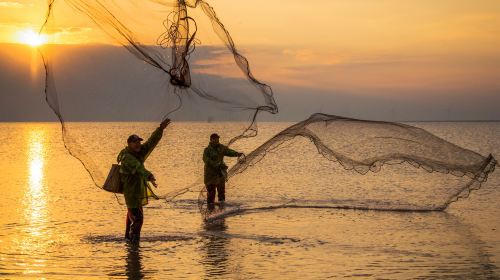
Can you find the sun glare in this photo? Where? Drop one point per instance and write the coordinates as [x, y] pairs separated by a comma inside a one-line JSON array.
[[32, 38]]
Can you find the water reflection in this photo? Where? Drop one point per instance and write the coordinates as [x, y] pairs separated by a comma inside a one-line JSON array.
[[134, 262], [480, 265], [215, 247], [34, 242], [35, 198]]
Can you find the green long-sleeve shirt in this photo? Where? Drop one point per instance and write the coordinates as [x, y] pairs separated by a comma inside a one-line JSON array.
[[134, 175], [213, 156]]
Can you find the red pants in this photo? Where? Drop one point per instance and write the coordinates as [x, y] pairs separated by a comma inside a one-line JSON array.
[[221, 192], [133, 226]]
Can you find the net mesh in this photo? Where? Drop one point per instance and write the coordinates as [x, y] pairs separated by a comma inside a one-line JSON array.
[[363, 147], [156, 82], [160, 71]]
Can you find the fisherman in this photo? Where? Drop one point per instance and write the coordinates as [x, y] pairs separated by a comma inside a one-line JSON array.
[[135, 177], [216, 169]]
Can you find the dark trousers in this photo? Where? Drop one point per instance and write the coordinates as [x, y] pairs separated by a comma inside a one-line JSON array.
[[135, 218], [219, 188]]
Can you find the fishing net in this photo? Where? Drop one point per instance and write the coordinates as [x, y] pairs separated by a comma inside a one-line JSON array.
[[172, 69], [342, 165], [144, 78]]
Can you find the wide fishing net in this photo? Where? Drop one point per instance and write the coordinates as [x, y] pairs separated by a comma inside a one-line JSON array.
[[342, 165], [175, 59], [145, 77]]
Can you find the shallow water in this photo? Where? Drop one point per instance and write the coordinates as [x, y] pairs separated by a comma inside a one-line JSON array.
[[55, 223]]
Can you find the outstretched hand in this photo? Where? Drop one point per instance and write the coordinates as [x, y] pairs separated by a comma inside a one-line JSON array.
[[242, 158], [154, 184], [152, 179], [164, 123]]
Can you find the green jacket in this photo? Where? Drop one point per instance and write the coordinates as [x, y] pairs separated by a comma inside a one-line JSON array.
[[134, 175], [213, 156]]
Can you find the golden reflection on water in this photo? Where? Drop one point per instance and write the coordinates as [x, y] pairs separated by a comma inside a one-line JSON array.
[[35, 199], [36, 195]]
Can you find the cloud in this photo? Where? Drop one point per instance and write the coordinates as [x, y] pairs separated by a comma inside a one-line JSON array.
[[71, 30], [66, 30], [377, 87], [303, 55], [10, 4], [70, 35]]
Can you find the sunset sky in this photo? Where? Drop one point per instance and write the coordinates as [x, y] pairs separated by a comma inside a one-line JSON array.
[[382, 59]]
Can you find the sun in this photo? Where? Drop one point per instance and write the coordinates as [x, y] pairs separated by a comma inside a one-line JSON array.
[[31, 38]]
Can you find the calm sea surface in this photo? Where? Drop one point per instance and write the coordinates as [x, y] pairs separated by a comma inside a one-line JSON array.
[[55, 223]]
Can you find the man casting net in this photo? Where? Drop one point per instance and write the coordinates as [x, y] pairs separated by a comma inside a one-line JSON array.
[[161, 68]]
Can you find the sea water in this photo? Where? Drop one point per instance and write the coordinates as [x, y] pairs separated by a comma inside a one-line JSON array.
[[55, 223]]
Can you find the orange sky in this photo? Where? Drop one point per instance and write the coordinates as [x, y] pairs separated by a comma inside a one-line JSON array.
[[430, 26], [361, 47]]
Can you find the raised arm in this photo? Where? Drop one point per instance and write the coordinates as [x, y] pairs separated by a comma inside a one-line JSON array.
[[153, 140]]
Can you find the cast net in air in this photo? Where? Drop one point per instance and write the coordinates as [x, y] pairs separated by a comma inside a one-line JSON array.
[[159, 69], [155, 69]]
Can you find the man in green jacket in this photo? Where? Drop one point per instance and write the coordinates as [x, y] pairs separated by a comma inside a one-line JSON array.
[[216, 169], [135, 178]]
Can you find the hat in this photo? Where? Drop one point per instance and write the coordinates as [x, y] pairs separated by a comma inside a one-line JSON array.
[[134, 138], [214, 135]]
